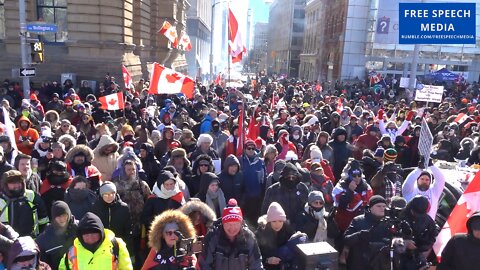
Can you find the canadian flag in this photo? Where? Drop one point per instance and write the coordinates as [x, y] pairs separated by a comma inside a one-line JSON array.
[[318, 87], [375, 78], [112, 102], [467, 205], [235, 41], [218, 80], [168, 81], [461, 118], [339, 105], [169, 32], [127, 78], [184, 42]]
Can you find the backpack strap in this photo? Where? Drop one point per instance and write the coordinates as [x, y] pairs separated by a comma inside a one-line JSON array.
[[115, 249]]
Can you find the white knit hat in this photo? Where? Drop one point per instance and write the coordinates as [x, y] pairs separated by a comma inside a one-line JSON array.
[[316, 154]]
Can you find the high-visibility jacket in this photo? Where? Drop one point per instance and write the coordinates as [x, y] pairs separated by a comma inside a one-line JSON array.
[[80, 258], [26, 214]]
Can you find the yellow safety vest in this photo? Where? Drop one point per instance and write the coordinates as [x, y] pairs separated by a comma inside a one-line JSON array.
[[30, 195]]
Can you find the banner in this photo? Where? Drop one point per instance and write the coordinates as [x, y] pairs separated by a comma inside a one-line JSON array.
[[425, 141], [404, 82], [437, 23], [430, 93]]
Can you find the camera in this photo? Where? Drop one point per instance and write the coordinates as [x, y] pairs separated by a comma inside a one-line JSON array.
[[186, 247]]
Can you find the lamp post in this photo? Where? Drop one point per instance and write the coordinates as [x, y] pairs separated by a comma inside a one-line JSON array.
[[212, 24]]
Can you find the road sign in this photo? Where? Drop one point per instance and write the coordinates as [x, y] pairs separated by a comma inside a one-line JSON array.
[[27, 72], [41, 27]]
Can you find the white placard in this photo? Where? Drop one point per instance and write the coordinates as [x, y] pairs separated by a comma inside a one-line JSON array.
[[217, 164], [404, 82], [425, 141], [430, 93]]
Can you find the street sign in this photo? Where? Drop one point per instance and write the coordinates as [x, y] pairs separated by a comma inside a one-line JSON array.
[[27, 72], [41, 27]]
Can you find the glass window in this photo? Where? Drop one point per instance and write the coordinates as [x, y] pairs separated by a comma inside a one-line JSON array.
[[54, 11], [2, 19]]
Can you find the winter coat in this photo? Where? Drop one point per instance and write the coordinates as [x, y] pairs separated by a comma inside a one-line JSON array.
[[232, 185], [433, 193], [219, 141], [461, 252], [291, 200], [206, 125], [159, 202], [350, 203], [151, 166], [78, 257], [307, 223], [105, 164], [54, 245], [220, 254], [22, 135], [115, 216], [211, 153], [364, 141], [357, 239], [193, 182], [270, 241], [80, 201], [207, 215], [254, 176], [52, 191], [341, 152], [24, 246]]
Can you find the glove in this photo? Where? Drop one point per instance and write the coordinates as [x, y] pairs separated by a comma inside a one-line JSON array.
[[380, 114], [421, 163], [409, 116]]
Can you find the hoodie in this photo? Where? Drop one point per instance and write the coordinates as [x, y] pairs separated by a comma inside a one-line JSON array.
[[29, 135], [106, 164], [23, 246], [232, 185], [90, 223], [342, 150]]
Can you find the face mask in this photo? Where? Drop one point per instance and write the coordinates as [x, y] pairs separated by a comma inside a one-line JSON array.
[[16, 192], [296, 137], [128, 138], [317, 209]]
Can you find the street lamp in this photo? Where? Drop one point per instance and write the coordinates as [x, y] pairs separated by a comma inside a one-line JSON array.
[[212, 24]]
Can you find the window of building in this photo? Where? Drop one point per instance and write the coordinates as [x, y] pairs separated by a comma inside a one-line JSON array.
[[2, 19], [298, 14], [54, 11], [297, 27]]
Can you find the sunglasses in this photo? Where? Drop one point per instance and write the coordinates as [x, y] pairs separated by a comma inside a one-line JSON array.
[[356, 175], [250, 148], [170, 233]]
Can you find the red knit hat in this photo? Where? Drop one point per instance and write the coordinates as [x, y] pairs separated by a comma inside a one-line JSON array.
[[232, 214]]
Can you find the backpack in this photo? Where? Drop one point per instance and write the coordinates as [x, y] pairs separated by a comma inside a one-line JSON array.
[[115, 253]]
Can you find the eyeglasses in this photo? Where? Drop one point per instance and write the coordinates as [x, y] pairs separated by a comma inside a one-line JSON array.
[[250, 148], [170, 233]]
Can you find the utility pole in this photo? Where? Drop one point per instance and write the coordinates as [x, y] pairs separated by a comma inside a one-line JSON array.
[[23, 46]]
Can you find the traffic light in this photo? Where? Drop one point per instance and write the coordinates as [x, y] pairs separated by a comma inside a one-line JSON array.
[[37, 52]]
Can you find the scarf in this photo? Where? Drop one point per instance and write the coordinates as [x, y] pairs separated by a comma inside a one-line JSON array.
[[321, 233], [163, 193], [219, 196]]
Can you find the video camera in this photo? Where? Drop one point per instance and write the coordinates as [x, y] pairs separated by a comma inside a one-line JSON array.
[[186, 247]]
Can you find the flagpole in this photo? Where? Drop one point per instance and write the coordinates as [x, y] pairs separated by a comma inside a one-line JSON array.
[[228, 40]]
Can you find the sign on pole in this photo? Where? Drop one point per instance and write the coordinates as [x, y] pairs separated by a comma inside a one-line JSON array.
[[430, 93], [425, 141], [41, 28], [404, 82], [27, 72]]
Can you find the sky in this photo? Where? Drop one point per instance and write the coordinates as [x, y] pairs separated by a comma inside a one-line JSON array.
[[260, 10]]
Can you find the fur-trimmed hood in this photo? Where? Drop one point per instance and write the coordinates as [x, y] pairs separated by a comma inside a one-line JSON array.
[[76, 150], [50, 113], [262, 221], [68, 138], [104, 142], [155, 235], [199, 206]]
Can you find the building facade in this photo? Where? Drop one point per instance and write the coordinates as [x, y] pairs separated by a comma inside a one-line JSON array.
[[312, 45], [199, 20], [94, 37], [260, 42], [285, 42]]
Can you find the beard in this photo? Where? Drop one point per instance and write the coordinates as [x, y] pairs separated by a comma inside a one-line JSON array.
[[423, 187]]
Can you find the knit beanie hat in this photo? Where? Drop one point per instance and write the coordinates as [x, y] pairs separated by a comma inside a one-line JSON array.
[[315, 195], [290, 169], [376, 199], [390, 154], [60, 208], [275, 212], [164, 176], [316, 154], [379, 152], [232, 214], [427, 173], [107, 187]]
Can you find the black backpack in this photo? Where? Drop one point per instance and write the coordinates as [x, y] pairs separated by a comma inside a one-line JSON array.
[[115, 251]]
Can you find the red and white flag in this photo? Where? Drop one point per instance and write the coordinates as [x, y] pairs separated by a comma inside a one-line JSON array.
[[169, 32], [375, 78], [112, 102], [218, 80], [127, 78], [184, 42], [235, 42], [339, 105], [168, 81], [318, 87], [461, 118], [467, 205], [241, 133]]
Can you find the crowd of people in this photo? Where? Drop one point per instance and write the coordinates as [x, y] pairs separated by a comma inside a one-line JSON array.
[[230, 178]]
